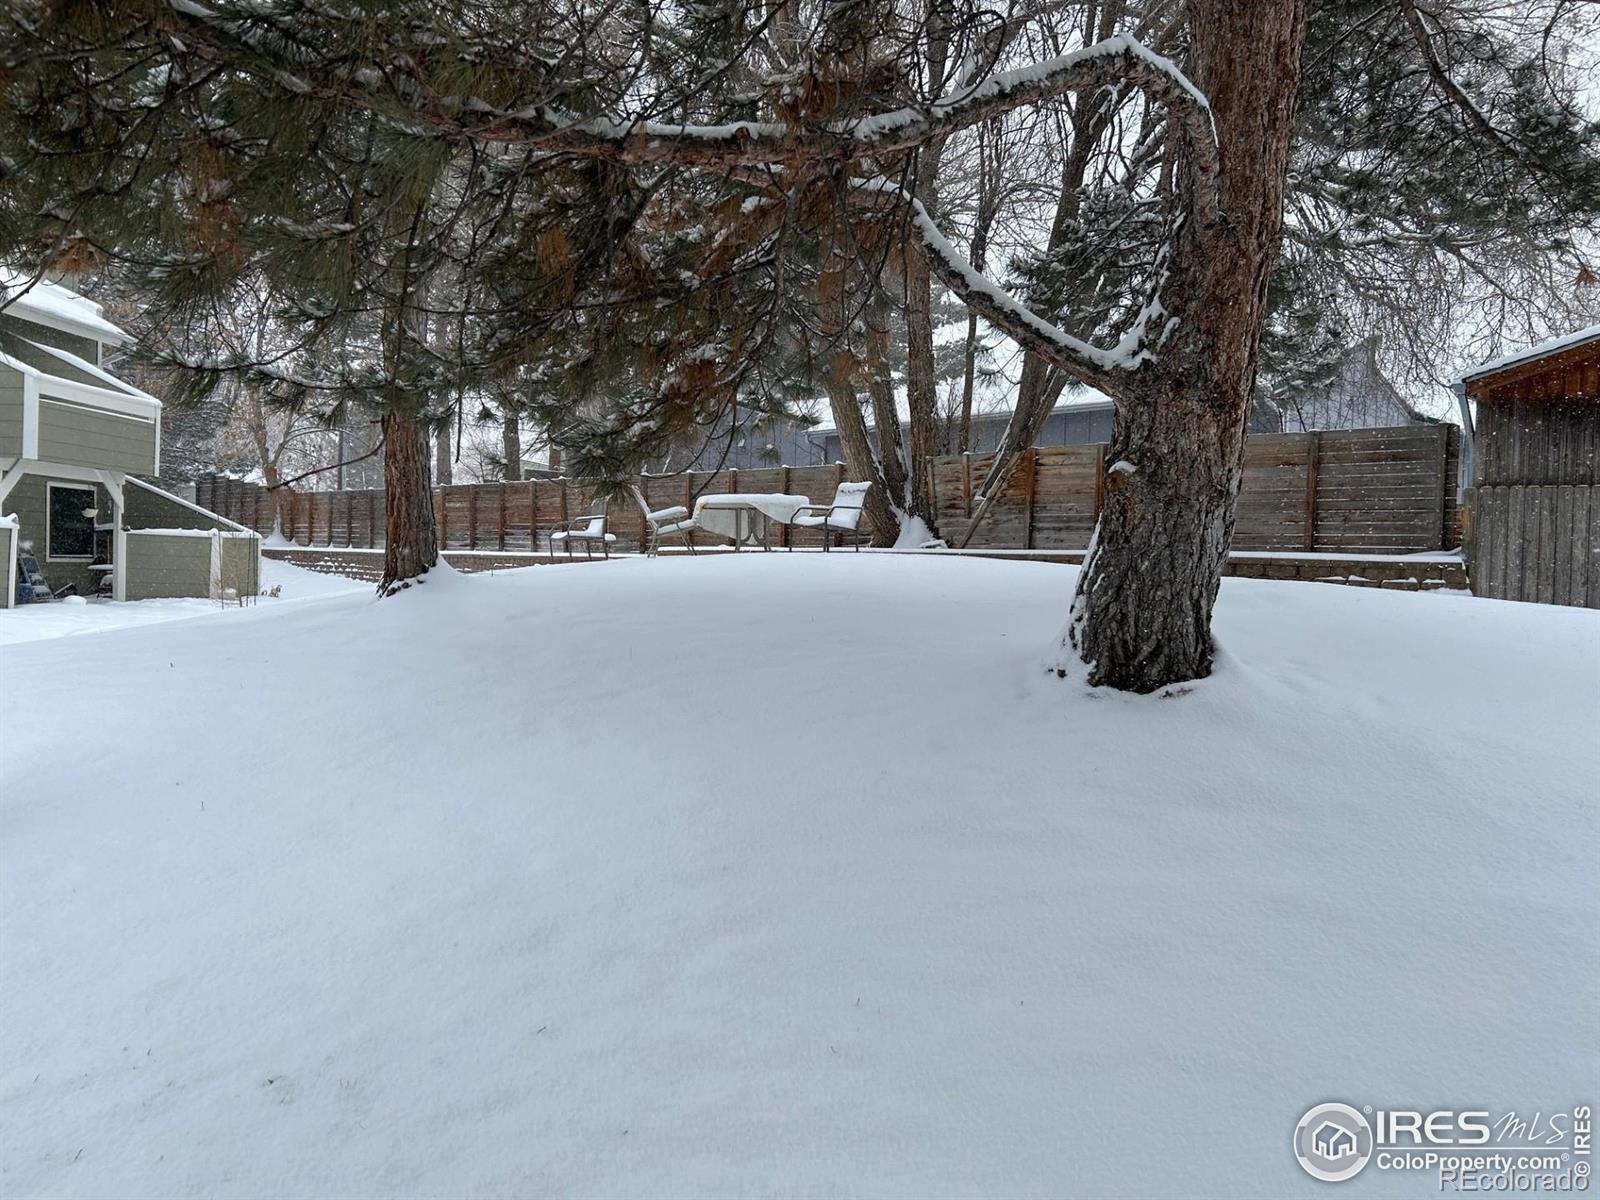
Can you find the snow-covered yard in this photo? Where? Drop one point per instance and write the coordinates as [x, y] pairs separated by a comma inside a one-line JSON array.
[[36, 622], [781, 874]]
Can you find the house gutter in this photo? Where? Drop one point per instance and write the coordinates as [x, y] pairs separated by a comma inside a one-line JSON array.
[[1464, 473]]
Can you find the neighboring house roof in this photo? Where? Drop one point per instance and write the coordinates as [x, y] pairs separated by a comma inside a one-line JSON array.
[[58, 307]]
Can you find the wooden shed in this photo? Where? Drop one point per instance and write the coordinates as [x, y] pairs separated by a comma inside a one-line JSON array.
[[1535, 507]]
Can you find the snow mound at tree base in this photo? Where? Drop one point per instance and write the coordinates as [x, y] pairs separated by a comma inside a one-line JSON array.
[[781, 874]]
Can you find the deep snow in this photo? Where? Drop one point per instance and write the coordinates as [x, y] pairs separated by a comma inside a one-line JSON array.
[[781, 874], [35, 622]]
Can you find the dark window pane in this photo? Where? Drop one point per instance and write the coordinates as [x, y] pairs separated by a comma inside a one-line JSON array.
[[71, 533]]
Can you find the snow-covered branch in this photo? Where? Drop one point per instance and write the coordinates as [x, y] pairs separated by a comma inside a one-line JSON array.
[[1119, 60], [1104, 369]]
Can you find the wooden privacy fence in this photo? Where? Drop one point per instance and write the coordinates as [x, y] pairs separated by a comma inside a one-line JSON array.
[[1387, 491]]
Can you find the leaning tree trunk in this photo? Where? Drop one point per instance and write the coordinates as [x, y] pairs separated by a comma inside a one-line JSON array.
[[1141, 618], [411, 540], [859, 459]]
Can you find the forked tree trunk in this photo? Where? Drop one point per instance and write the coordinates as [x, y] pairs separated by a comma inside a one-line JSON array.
[[411, 540], [1141, 619], [861, 462]]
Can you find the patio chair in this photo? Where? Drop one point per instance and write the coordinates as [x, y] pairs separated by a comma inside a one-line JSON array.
[[667, 522], [842, 516], [585, 530]]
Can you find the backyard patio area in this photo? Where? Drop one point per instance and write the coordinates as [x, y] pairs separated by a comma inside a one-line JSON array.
[[783, 874]]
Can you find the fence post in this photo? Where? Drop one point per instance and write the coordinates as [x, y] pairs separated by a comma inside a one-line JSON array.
[[783, 530], [1444, 484], [1313, 457], [533, 516], [500, 518], [472, 517], [1099, 479], [838, 480], [441, 518], [1033, 480]]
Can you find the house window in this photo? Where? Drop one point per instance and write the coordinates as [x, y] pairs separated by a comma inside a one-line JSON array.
[[70, 534]]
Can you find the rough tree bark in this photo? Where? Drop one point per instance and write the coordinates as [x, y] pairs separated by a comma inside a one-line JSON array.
[[921, 386], [442, 464], [511, 446], [1141, 618], [411, 540]]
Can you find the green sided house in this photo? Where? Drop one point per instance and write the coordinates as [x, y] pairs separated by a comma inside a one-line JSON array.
[[74, 515]]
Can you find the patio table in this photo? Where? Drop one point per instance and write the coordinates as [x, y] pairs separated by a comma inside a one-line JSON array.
[[736, 515]]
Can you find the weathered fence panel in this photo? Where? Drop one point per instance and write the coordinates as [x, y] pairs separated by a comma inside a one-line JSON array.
[[1389, 491]]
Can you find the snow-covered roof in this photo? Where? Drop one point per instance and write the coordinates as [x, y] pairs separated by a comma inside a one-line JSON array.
[[58, 307], [1542, 350]]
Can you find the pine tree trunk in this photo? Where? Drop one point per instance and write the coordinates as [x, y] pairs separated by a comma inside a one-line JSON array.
[[511, 444], [442, 464], [1141, 618], [411, 539], [921, 395]]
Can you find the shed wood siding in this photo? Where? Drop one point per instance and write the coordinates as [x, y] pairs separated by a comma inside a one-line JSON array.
[[1538, 442], [82, 437], [1536, 495], [162, 566], [10, 412]]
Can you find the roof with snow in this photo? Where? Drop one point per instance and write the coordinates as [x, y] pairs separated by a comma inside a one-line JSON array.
[[1564, 368], [57, 307]]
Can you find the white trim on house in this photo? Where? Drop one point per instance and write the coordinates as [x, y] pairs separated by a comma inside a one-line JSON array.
[[98, 410], [94, 499], [30, 412], [112, 481], [130, 404], [14, 542], [89, 368]]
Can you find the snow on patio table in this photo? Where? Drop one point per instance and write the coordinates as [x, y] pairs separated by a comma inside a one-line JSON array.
[[443, 895], [720, 513]]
